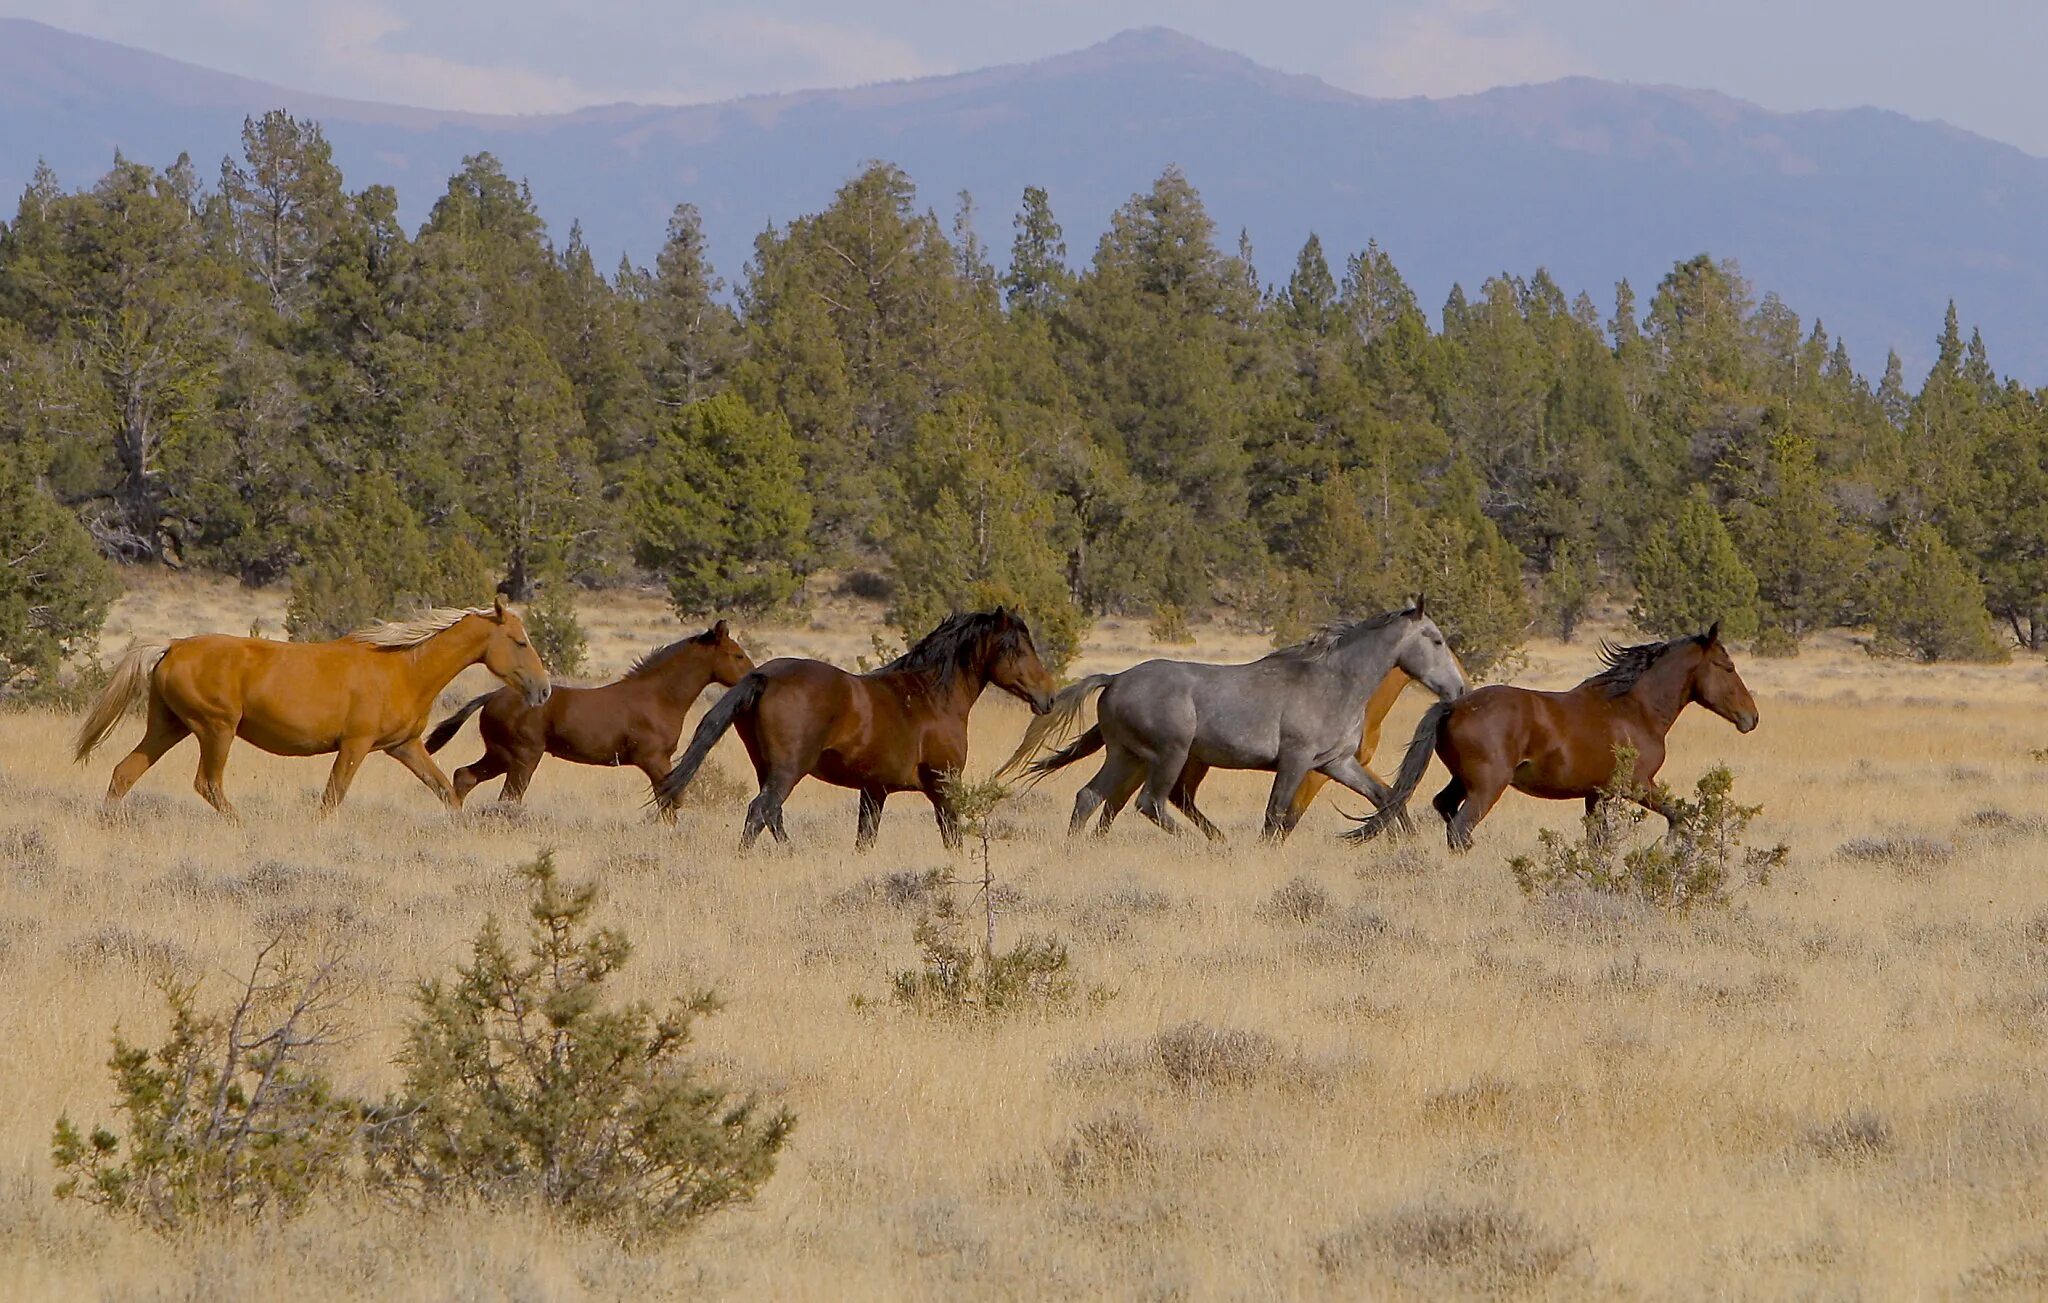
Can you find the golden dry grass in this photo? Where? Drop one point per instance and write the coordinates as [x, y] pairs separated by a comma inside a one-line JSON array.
[[1406, 1078]]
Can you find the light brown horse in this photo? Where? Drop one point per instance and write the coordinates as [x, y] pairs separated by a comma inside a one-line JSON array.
[[635, 720], [1377, 708], [1560, 745], [368, 691], [901, 728]]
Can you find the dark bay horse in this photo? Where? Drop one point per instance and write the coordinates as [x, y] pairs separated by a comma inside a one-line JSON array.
[[1297, 711], [1560, 745], [901, 728], [368, 691], [635, 720]]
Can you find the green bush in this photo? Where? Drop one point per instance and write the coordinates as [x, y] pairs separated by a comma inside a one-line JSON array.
[[1695, 863], [557, 635], [55, 587], [1926, 604], [227, 1118], [373, 558], [1689, 575], [524, 1084]]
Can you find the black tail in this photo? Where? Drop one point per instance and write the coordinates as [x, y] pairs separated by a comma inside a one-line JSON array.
[[1085, 745], [740, 696], [449, 727], [1414, 764]]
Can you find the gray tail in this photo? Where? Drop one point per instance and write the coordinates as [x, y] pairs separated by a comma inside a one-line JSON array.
[[1414, 763], [743, 695], [446, 730], [1085, 745], [1054, 723]]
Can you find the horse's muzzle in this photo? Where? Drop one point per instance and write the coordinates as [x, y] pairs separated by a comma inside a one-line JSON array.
[[1041, 705], [1748, 723], [537, 694]]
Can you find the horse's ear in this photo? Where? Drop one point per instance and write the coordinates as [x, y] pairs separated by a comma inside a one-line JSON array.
[[721, 630], [1417, 611], [498, 607], [1712, 635]]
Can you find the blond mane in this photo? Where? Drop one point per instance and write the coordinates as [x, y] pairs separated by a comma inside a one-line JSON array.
[[413, 632]]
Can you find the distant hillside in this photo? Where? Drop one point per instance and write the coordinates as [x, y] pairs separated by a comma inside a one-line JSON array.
[[1868, 219]]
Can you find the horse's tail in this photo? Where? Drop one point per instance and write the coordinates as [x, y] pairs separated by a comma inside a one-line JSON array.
[[743, 695], [126, 688], [1056, 722], [1413, 765], [445, 731], [1085, 745]]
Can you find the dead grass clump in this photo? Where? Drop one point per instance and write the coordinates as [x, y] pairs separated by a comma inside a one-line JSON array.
[[1855, 1137], [334, 921], [1485, 1100], [114, 944], [1444, 1245], [1901, 852], [715, 789], [2020, 1273], [905, 889], [26, 856], [2035, 929], [1107, 1149], [1300, 900], [1348, 933], [1583, 912], [1196, 1056]]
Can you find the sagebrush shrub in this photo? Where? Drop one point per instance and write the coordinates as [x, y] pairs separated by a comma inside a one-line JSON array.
[[523, 1083], [1696, 862], [227, 1118]]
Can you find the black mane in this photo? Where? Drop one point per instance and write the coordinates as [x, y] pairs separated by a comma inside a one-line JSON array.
[[945, 651], [660, 656], [1622, 666]]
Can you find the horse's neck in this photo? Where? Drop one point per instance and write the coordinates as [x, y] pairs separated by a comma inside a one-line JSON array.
[[448, 653], [1663, 691], [955, 697], [679, 681], [1361, 666]]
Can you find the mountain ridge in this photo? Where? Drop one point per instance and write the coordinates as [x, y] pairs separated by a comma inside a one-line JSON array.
[[1865, 217]]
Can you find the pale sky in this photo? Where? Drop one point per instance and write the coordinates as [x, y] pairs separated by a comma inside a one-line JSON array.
[[1974, 63]]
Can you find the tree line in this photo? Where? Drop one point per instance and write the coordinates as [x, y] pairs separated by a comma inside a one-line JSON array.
[[268, 376]]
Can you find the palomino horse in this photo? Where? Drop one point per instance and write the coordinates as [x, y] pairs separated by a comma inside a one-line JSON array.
[[369, 691], [901, 728], [1561, 745], [1297, 711], [634, 721]]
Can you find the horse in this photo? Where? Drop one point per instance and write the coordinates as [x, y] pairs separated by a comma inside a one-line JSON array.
[[635, 720], [1294, 712], [1377, 707], [370, 690], [1561, 745], [900, 728]]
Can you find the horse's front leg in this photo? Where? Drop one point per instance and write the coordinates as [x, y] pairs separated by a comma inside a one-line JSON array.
[[932, 783], [348, 757], [1366, 783], [412, 753], [1280, 816], [871, 799]]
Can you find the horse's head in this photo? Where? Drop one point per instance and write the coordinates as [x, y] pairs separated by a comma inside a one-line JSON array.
[[1717, 686], [509, 654], [1425, 657], [1013, 663], [728, 661]]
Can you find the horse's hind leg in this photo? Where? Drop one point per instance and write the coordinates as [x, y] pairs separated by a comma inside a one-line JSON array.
[[1107, 791], [1183, 798], [765, 811], [214, 741], [1482, 790], [1449, 799], [165, 731], [870, 817], [1159, 780]]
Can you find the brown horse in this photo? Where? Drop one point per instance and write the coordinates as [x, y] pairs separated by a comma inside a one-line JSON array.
[[369, 691], [633, 721], [1560, 745], [1376, 711], [901, 728]]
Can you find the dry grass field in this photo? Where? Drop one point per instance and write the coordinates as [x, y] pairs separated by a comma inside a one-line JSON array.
[[1406, 1080]]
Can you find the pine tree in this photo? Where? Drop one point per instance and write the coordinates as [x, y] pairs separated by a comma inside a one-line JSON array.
[[1689, 575], [54, 587], [371, 559], [1925, 603], [1038, 280], [1806, 560], [718, 508]]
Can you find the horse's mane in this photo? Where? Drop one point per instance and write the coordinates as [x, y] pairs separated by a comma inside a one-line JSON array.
[[410, 633], [941, 654], [660, 656], [1332, 636], [1622, 666]]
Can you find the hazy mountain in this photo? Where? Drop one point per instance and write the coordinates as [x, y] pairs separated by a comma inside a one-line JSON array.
[[1869, 219]]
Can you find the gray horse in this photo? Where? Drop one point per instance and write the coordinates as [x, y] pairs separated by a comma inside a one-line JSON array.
[[1299, 709]]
